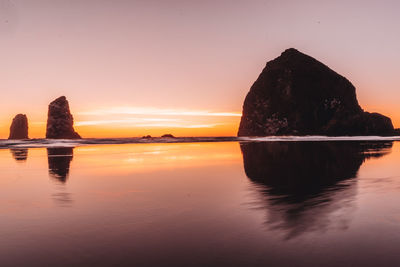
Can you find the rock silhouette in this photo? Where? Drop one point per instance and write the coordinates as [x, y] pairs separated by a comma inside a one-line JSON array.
[[301, 184], [167, 136], [19, 127], [59, 160], [60, 123], [298, 95]]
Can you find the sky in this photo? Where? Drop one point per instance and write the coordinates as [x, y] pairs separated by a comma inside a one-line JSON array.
[[132, 68]]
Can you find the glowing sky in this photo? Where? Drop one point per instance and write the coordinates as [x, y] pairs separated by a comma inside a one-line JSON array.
[[131, 68]]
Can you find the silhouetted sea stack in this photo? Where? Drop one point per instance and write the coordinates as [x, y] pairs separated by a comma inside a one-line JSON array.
[[298, 95], [167, 136], [19, 127], [60, 123]]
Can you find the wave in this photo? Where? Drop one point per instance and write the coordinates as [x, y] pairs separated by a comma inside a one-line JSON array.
[[33, 143], [316, 138]]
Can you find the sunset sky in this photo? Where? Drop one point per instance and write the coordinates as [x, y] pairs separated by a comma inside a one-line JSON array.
[[130, 68]]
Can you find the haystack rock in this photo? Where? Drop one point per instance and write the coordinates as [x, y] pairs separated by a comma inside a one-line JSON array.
[[60, 123], [298, 95], [19, 127]]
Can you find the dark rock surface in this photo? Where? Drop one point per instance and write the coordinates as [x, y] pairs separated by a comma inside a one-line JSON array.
[[19, 127], [168, 136], [60, 121], [297, 95]]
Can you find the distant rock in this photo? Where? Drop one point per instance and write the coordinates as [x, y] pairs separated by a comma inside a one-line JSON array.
[[146, 137], [60, 121], [19, 127], [168, 136], [298, 95]]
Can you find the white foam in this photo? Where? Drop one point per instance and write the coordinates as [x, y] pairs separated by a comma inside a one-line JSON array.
[[316, 138], [34, 143]]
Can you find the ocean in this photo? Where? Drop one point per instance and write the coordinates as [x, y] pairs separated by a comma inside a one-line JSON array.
[[271, 201]]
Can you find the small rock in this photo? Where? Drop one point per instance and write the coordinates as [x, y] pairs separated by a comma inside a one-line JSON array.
[[19, 127], [60, 123], [168, 136]]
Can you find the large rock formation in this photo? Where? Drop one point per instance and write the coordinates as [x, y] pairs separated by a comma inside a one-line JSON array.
[[60, 121], [298, 95], [19, 127]]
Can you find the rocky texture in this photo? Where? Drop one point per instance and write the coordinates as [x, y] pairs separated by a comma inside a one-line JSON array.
[[19, 127], [297, 95], [60, 121]]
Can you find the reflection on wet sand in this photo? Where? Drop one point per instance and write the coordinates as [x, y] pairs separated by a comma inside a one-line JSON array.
[[59, 160], [307, 186], [62, 198], [19, 154]]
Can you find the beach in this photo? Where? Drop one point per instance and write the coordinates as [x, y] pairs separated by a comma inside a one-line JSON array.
[[201, 204]]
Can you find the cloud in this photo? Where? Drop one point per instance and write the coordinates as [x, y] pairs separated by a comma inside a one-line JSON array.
[[180, 125], [157, 112], [105, 117], [127, 121], [147, 123]]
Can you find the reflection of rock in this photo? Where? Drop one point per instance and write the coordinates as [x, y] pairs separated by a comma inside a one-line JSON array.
[[60, 123], [59, 160], [297, 95], [19, 127], [19, 154], [304, 184], [63, 199]]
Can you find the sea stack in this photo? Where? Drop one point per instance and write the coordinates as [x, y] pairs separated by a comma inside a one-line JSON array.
[[60, 123], [167, 136], [297, 95], [19, 127]]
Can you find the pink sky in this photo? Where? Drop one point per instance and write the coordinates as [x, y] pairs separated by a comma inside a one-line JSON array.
[[182, 56]]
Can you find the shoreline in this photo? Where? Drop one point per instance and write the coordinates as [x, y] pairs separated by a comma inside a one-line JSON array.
[[44, 143]]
